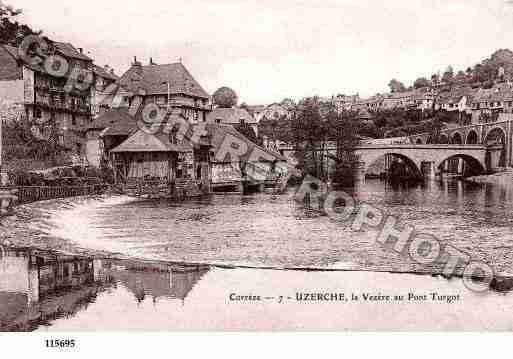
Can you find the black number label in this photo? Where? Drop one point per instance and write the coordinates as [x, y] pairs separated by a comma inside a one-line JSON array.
[[60, 343]]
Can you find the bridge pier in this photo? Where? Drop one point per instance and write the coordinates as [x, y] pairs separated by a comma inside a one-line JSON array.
[[428, 169], [461, 166], [493, 158], [359, 173]]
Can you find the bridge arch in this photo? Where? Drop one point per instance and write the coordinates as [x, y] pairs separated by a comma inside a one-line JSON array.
[[457, 138], [443, 139], [497, 136], [399, 157], [472, 165], [422, 159], [472, 138], [419, 141]]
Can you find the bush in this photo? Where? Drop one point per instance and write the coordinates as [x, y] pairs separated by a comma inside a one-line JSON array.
[[24, 178]]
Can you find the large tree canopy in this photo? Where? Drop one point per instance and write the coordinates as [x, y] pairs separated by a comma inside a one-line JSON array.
[[396, 86]]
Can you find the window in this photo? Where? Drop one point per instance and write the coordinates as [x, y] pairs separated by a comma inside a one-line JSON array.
[[73, 120], [218, 120]]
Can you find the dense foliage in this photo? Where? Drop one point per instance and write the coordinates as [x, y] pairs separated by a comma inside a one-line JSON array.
[[225, 97], [497, 68], [315, 125], [11, 31]]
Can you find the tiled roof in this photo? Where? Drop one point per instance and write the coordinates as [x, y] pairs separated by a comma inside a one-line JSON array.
[[154, 79], [218, 133], [495, 94], [257, 108], [400, 95], [69, 50], [116, 122], [142, 141], [100, 71], [230, 116]]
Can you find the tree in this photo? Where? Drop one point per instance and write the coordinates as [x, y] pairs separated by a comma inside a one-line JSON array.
[[396, 86], [448, 76], [225, 97], [11, 31], [460, 77], [435, 79], [421, 82]]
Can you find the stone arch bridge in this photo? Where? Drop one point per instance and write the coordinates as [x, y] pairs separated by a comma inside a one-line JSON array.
[[424, 159], [428, 159], [487, 134]]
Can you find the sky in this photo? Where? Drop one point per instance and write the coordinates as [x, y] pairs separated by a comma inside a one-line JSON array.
[[267, 50]]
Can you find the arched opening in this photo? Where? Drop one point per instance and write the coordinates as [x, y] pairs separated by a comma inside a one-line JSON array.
[[429, 140], [467, 166], [455, 165], [472, 138], [497, 137], [419, 141], [443, 139], [393, 166], [457, 139]]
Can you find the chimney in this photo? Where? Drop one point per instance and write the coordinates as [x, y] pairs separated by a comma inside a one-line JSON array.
[[81, 50], [136, 63], [151, 61]]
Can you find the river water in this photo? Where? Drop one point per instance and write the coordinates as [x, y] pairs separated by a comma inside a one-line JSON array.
[[260, 245]]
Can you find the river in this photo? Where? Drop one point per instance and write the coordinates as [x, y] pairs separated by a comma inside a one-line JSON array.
[[262, 245]]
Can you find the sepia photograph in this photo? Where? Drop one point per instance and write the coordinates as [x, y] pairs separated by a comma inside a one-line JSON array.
[[255, 166]]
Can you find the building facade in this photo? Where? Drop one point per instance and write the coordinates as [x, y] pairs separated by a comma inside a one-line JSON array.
[[50, 107]]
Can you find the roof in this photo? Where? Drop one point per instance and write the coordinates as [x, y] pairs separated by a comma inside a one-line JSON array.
[[68, 50], [218, 134], [495, 94], [100, 71], [257, 108], [401, 95], [230, 116], [154, 79], [116, 122], [143, 141]]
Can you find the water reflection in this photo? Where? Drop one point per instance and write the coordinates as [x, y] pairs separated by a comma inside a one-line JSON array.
[[36, 288]]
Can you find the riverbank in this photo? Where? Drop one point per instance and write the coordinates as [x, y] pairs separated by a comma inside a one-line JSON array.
[[500, 178]]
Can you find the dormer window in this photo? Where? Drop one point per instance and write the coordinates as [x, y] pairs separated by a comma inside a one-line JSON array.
[[218, 120]]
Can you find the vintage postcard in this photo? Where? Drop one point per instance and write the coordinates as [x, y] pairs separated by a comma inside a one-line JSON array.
[[222, 165]]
